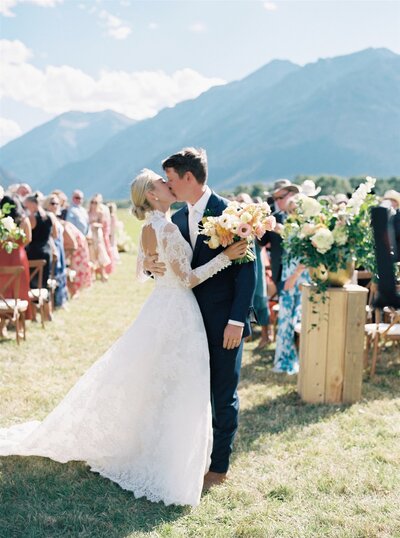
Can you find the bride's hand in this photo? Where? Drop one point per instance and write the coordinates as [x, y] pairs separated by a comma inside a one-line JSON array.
[[236, 250]]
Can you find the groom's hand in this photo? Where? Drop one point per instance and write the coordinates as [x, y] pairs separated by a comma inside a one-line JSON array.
[[153, 266], [232, 336]]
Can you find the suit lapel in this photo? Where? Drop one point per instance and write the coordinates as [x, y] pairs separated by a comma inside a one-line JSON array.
[[212, 209]]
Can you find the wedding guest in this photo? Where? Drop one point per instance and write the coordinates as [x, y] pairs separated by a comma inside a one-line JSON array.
[[52, 205], [293, 275], [99, 230], [77, 214], [282, 191], [114, 230], [393, 197], [63, 201], [79, 259], [18, 257], [308, 188], [43, 228], [23, 190]]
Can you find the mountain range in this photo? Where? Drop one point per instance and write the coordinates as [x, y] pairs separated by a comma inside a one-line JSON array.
[[334, 116]]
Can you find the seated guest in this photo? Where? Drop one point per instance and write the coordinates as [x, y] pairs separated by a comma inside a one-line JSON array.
[[77, 214], [393, 197], [23, 190], [43, 228], [52, 205], [18, 255]]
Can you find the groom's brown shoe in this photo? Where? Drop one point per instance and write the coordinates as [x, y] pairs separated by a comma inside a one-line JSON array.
[[213, 479]]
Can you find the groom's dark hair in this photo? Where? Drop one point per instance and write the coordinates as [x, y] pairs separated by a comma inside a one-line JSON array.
[[189, 160]]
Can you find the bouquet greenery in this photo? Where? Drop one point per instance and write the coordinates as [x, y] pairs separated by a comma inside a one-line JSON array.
[[10, 233], [327, 237]]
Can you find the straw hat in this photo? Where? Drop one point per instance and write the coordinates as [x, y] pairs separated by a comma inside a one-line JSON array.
[[284, 184], [392, 195], [309, 189]]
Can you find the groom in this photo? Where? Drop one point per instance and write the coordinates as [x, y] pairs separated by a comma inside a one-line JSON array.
[[225, 300]]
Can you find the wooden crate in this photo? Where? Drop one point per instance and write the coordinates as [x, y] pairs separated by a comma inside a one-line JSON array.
[[331, 345]]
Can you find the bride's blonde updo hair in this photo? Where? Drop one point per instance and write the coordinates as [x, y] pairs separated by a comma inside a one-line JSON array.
[[142, 183]]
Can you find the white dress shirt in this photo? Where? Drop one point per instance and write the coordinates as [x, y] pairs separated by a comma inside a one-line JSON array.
[[196, 212]]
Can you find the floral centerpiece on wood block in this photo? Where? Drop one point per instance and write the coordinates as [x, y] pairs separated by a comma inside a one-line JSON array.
[[10, 233], [329, 238]]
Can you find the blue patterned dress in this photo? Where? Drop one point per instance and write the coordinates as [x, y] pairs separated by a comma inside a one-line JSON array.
[[60, 272], [286, 357]]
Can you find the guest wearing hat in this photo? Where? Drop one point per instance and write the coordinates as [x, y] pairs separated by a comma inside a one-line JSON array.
[[308, 188], [283, 189]]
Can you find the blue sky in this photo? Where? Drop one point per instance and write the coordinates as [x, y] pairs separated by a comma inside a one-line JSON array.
[[137, 57]]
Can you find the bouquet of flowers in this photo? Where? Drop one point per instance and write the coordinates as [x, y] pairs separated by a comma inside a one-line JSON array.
[[9, 231], [328, 237], [238, 221]]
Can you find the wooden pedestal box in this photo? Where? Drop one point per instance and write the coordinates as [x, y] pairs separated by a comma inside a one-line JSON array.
[[331, 345]]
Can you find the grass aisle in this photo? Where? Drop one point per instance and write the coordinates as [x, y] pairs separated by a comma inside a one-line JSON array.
[[298, 470]]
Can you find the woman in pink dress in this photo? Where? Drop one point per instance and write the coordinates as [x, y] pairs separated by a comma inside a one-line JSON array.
[[100, 255], [78, 258]]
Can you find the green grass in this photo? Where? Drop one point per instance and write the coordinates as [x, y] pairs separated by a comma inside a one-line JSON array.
[[298, 470]]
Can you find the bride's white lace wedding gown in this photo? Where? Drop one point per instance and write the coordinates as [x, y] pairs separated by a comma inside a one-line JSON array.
[[141, 415]]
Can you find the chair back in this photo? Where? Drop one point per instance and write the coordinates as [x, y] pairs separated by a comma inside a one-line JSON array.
[[10, 278], [36, 270]]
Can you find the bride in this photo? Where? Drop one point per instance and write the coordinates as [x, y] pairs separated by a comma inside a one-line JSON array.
[[141, 414]]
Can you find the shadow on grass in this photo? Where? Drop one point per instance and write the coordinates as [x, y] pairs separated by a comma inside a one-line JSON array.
[[287, 412], [42, 498]]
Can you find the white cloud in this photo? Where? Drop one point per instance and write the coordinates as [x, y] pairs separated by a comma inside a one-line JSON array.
[[13, 52], [57, 89], [270, 6], [116, 28], [197, 27], [153, 26], [9, 130], [6, 6]]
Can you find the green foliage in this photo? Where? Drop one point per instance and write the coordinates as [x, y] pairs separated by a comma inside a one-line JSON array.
[[326, 237]]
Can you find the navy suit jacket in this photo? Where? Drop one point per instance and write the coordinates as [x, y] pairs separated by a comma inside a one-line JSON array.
[[229, 293]]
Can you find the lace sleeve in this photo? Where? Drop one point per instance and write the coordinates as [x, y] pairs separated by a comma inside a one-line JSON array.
[[174, 247], [140, 272]]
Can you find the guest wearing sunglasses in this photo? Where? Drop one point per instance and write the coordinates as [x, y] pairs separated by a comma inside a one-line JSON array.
[[52, 205], [77, 214], [283, 190]]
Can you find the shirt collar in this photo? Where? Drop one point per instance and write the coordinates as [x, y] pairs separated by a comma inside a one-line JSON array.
[[201, 204]]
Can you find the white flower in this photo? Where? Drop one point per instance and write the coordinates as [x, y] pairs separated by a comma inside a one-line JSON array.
[[245, 217], [359, 195], [9, 224], [340, 235], [310, 207], [214, 242], [307, 229], [322, 240], [225, 221]]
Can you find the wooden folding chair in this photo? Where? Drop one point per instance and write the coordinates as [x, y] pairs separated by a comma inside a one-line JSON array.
[[12, 308], [39, 295], [383, 333]]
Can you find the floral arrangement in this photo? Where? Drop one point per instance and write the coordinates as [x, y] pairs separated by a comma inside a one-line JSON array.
[[330, 237], [9, 231], [238, 221]]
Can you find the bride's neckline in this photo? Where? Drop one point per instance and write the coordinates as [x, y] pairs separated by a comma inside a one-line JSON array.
[[155, 214]]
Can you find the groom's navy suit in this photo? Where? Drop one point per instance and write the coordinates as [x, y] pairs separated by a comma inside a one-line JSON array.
[[226, 296]]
